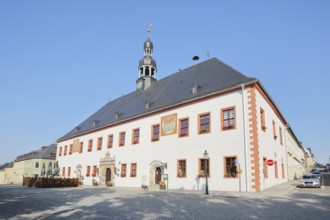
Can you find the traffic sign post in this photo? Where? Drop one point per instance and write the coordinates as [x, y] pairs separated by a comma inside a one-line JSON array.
[[270, 162]]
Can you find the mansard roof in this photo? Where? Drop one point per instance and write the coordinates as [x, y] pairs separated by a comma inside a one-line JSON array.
[[209, 77]]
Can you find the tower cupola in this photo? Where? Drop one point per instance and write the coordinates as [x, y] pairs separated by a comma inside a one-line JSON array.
[[147, 66]]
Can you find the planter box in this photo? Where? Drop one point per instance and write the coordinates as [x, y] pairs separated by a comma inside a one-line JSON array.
[[162, 185]]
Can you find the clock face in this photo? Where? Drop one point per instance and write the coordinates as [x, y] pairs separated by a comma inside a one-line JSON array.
[[139, 84]]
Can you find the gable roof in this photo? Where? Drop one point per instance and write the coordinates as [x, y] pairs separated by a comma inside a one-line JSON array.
[[211, 76]]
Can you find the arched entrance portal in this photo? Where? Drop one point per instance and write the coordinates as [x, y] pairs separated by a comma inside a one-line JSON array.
[[107, 170], [155, 173], [158, 175]]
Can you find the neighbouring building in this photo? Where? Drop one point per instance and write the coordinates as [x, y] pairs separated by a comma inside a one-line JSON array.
[[158, 133], [3, 173], [29, 164], [309, 157], [295, 154]]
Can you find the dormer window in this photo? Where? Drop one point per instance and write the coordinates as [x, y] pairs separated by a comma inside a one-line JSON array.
[[148, 104], [95, 122], [195, 88], [118, 114], [77, 129]]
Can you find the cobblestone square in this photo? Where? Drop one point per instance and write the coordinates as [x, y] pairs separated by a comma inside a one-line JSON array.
[[283, 202]]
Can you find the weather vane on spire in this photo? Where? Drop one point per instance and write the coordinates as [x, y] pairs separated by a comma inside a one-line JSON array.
[[149, 25]]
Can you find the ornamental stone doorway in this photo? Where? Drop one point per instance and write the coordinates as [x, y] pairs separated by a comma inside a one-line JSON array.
[[107, 170], [155, 173]]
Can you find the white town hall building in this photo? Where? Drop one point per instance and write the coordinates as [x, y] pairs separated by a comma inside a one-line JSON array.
[[158, 133]]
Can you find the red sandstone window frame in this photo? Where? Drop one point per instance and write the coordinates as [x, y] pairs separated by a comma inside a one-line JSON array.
[[181, 171], [283, 174], [136, 136], [263, 119], [155, 132], [88, 170], [122, 137], [65, 150], [204, 123], [281, 135], [183, 127], [69, 171], [60, 151], [123, 170], [274, 130], [201, 167], [90, 145], [276, 169], [265, 167], [70, 149], [226, 116], [230, 168], [133, 169], [94, 171], [99, 143], [63, 171], [81, 147], [110, 140]]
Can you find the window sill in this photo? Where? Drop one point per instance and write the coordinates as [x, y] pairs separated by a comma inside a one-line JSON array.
[[230, 177], [228, 128], [183, 135]]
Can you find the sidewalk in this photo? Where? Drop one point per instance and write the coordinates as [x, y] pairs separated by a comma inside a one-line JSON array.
[[281, 189]]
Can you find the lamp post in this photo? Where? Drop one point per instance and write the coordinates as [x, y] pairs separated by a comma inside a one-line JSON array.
[[206, 157]]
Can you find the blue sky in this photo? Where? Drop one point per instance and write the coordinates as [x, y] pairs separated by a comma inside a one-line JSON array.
[[60, 61]]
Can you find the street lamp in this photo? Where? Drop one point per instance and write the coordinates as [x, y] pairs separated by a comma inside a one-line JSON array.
[[206, 157]]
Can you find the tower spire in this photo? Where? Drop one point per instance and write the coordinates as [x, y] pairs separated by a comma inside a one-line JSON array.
[[147, 65], [149, 25]]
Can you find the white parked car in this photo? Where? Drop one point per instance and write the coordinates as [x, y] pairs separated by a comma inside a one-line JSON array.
[[309, 180]]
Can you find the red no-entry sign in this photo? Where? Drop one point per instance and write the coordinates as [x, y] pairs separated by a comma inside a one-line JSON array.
[[270, 162]]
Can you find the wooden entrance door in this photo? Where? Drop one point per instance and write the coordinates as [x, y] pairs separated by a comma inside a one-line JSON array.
[[108, 175], [158, 175]]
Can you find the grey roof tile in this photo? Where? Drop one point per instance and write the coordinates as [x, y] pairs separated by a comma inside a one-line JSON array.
[[211, 76]]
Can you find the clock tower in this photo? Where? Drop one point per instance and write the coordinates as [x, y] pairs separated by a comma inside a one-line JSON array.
[[147, 66]]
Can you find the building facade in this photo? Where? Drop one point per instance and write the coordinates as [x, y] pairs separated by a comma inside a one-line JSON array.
[[295, 154], [29, 164], [158, 133]]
